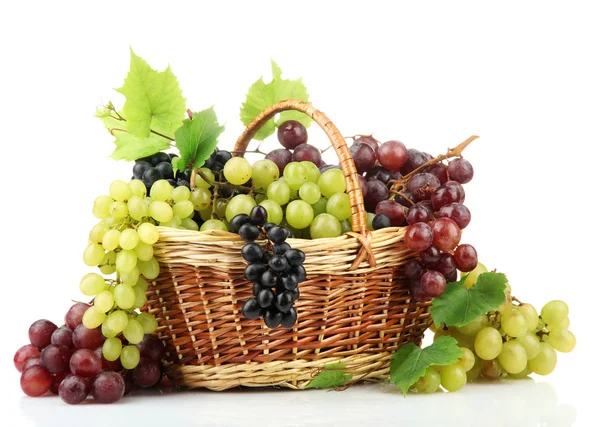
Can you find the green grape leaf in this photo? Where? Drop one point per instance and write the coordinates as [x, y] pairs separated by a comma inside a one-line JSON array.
[[410, 362], [330, 376], [262, 95], [458, 305], [197, 138], [152, 98]]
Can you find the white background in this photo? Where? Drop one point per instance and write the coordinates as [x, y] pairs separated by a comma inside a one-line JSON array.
[[523, 75]]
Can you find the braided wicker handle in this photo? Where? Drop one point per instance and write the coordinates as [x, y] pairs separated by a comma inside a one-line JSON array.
[[359, 222]]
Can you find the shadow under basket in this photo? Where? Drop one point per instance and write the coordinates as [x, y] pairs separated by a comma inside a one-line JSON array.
[[354, 307]]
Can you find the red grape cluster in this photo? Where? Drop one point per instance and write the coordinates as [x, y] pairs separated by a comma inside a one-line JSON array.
[[68, 361]]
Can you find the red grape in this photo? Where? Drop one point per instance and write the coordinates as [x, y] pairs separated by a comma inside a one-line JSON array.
[[418, 237], [445, 195], [370, 141], [291, 134], [87, 338], [457, 212], [460, 170], [392, 155], [327, 167], [416, 291], [431, 255], [307, 153], [56, 380], [24, 354], [63, 336], [445, 265], [393, 210], [281, 157], [446, 234], [106, 364], [74, 389], [363, 185], [55, 358], [433, 283], [439, 170], [108, 387], [35, 360], [75, 314], [465, 257], [414, 159], [420, 180], [364, 157], [379, 173], [152, 348], [459, 188], [413, 269], [376, 192], [86, 363], [418, 213], [40, 333], [147, 373], [36, 381]]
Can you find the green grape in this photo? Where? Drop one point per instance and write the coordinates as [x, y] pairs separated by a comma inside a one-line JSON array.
[[562, 325], [140, 297], [473, 275], [467, 360], [346, 226], [299, 214], [93, 255], [92, 284], [260, 198], [161, 191], [325, 225], [175, 222], [310, 192], [183, 209], [201, 198], [148, 233], [110, 241], [562, 340], [474, 326], [514, 323], [130, 356], [463, 340], [555, 312], [133, 332], [181, 193], [370, 217], [124, 296], [488, 343], [513, 357], [453, 377], [312, 172], [160, 211], [213, 224], [429, 382], [545, 362], [274, 211], [102, 206], [148, 322], [200, 182], [107, 332], [150, 268], [189, 224], [530, 343], [520, 375], [111, 349], [107, 266], [137, 208], [320, 206], [137, 188], [119, 190], [332, 181], [491, 369], [237, 170], [242, 203], [142, 284], [92, 318], [475, 372], [104, 301], [531, 315], [279, 192], [117, 321], [221, 207], [264, 172], [97, 232], [118, 210], [338, 205], [295, 175], [128, 239], [130, 278], [126, 261]]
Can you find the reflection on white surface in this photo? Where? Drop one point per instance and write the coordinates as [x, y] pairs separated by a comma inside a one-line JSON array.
[[522, 403]]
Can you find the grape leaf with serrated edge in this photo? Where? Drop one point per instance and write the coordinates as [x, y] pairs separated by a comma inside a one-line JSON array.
[[330, 376], [197, 138], [409, 363], [262, 95], [458, 305], [151, 98]]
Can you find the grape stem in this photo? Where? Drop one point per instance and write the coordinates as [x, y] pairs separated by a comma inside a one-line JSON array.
[[122, 119], [219, 185]]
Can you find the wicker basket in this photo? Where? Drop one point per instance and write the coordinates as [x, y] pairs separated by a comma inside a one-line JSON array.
[[354, 308]]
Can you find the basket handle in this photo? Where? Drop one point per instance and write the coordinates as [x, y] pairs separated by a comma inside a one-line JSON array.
[[359, 216]]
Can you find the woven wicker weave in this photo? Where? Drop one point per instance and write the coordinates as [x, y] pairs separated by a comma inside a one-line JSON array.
[[354, 308]]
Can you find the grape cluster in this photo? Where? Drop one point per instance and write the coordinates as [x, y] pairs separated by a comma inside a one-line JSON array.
[[159, 166], [511, 342], [276, 270], [75, 362]]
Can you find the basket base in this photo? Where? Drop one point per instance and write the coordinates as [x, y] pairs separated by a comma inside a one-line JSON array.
[[293, 374]]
